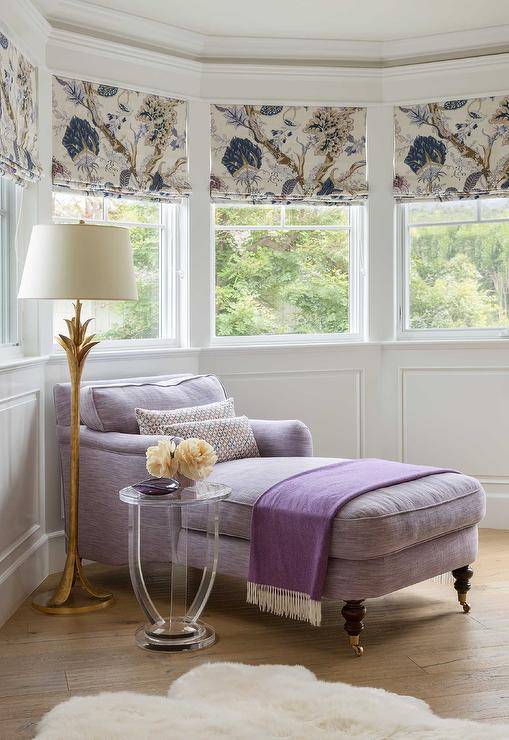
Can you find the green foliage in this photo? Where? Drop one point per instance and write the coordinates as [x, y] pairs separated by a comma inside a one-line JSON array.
[[139, 319], [459, 276], [281, 282]]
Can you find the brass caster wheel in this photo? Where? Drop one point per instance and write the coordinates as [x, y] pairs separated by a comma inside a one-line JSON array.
[[354, 644], [466, 607]]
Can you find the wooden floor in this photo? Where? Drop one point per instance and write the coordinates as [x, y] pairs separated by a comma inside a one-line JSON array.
[[417, 641]]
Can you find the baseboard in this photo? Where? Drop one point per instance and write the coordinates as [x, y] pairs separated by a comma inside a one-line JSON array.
[[56, 551], [23, 576], [44, 556]]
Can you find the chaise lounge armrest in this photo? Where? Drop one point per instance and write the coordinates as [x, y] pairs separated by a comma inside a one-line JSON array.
[[279, 438], [282, 438]]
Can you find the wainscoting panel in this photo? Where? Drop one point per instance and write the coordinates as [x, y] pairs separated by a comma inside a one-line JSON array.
[[19, 470], [330, 402], [456, 417]]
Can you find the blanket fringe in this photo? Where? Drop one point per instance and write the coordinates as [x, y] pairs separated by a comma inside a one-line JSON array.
[[285, 603]]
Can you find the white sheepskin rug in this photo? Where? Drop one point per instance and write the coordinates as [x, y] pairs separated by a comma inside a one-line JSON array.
[[231, 700]]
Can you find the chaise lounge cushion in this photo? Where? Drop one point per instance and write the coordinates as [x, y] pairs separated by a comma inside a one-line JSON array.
[[110, 407], [377, 523]]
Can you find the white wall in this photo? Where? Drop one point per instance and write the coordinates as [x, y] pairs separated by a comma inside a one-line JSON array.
[[443, 403]]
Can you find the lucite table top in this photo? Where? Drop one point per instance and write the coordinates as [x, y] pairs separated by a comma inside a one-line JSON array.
[[199, 492]]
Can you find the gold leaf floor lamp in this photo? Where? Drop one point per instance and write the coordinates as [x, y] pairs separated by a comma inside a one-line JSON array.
[[79, 262]]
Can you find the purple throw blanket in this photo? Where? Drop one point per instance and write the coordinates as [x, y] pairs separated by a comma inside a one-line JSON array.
[[292, 525]]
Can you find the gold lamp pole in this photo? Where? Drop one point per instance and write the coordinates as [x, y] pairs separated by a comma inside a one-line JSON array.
[[76, 346], [94, 262]]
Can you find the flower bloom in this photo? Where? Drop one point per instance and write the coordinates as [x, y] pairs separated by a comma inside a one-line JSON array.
[[196, 458], [161, 459]]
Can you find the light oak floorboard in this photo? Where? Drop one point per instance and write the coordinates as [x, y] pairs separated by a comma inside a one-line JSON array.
[[417, 641]]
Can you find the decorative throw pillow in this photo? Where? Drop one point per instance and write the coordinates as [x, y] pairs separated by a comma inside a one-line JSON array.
[[154, 422], [231, 438]]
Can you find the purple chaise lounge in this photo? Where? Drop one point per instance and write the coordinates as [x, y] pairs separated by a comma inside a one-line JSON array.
[[381, 541]]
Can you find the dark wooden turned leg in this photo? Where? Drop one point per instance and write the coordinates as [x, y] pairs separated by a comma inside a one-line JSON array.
[[353, 613], [462, 578]]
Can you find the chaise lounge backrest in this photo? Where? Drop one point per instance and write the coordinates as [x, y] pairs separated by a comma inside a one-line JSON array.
[[108, 406]]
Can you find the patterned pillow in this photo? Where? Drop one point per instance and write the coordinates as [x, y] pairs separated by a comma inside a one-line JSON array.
[[231, 438], [153, 422]]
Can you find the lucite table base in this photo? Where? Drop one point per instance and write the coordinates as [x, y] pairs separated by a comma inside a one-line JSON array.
[[184, 630], [175, 635]]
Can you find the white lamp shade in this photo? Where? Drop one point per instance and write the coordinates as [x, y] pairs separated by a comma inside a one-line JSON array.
[[84, 261]]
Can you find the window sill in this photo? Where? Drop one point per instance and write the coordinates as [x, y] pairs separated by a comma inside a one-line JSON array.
[[16, 361], [125, 353], [451, 343]]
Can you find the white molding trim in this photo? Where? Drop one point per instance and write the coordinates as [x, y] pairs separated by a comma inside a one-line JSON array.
[[17, 363], [358, 373], [148, 353], [10, 549], [45, 555], [449, 370], [265, 80], [22, 577], [33, 16], [496, 487], [67, 40], [151, 35]]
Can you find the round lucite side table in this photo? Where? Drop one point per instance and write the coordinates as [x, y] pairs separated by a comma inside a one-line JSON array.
[[182, 628]]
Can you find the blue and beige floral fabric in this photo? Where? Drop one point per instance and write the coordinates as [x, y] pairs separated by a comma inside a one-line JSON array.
[[118, 142], [19, 148], [456, 149], [276, 153]]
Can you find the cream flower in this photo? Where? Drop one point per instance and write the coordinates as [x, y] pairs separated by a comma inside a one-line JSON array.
[[196, 458], [161, 460]]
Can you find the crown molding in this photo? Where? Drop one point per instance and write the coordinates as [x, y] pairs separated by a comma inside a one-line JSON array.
[[27, 28], [33, 17], [152, 36], [63, 41], [297, 83]]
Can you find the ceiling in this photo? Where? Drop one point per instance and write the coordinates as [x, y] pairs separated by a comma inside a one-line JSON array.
[[368, 23]]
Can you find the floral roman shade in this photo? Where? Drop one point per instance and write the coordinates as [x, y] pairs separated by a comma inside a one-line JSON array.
[[110, 140], [452, 150], [19, 148], [276, 153]]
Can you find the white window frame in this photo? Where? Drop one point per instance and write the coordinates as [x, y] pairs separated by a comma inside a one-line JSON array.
[[173, 268], [356, 282], [9, 308], [404, 332]]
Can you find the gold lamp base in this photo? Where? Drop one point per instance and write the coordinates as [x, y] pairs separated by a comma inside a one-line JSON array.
[[79, 602]]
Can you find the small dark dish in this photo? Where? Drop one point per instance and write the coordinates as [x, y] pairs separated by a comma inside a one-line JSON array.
[[157, 486]]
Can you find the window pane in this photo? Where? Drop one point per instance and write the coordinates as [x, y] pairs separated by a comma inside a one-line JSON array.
[[424, 213], [121, 319], [317, 216], [142, 212], [248, 215], [495, 208], [76, 206], [126, 319], [281, 282], [459, 276]]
